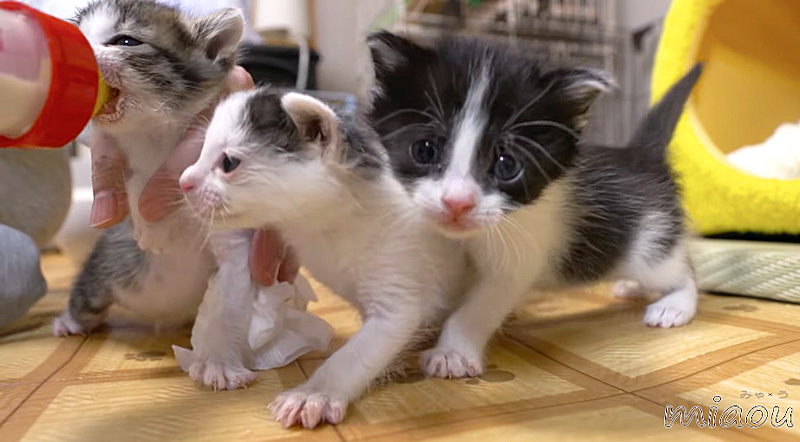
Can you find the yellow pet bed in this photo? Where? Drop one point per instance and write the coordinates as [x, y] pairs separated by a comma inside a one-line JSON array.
[[750, 85]]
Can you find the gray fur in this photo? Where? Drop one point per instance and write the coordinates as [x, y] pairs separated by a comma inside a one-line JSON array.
[[269, 127], [615, 190], [182, 58], [115, 263]]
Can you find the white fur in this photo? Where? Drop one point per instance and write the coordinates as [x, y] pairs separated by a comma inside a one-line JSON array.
[[360, 237], [510, 260], [469, 129], [220, 352]]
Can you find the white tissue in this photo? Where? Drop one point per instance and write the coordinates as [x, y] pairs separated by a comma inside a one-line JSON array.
[[281, 330], [776, 158]]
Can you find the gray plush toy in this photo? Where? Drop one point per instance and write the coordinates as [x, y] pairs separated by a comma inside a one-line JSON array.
[[35, 190]]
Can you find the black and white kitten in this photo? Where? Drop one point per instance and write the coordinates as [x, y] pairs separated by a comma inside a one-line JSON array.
[[166, 67], [486, 141]]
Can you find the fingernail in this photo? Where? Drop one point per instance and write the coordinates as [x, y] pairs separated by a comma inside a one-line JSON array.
[[104, 209]]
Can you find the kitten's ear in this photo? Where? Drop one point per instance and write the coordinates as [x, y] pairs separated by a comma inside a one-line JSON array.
[[222, 31], [391, 52], [580, 88], [315, 121]]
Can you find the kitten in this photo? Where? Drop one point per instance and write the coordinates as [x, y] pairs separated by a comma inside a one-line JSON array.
[[485, 140], [166, 68], [289, 162]]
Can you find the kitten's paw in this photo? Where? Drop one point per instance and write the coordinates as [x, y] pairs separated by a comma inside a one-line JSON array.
[[153, 238], [220, 375], [666, 314], [308, 409], [450, 364], [66, 325], [627, 289]]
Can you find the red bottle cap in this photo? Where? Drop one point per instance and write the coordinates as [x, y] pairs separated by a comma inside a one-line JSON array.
[[73, 85]]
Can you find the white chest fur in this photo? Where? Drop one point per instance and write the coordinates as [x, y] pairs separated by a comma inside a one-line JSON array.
[[527, 244], [172, 288]]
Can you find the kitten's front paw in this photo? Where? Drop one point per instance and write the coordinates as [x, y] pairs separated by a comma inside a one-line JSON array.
[[153, 238], [66, 325], [308, 409], [450, 364], [666, 314], [220, 375]]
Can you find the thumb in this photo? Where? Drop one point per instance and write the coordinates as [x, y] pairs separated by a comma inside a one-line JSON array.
[[110, 205]]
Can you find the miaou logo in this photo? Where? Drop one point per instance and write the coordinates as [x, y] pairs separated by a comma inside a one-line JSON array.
[[733, 416]]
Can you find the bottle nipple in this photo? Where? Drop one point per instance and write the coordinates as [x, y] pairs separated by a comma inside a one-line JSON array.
[[104, 94]]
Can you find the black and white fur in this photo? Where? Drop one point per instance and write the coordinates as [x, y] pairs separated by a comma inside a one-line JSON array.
[[288, 161], [485, 140], [166, 68]]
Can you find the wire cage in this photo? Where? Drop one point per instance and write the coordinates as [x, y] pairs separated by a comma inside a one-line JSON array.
[[560, 32]]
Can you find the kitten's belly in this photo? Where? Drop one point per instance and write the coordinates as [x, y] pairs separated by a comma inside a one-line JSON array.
[[172, 288], [339, 280]]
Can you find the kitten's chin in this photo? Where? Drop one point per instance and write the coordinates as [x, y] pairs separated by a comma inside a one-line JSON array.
[[457, 230], [231, 222]]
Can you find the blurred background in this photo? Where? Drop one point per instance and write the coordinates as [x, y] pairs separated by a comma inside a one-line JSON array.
[[318, 46], [619, 36]]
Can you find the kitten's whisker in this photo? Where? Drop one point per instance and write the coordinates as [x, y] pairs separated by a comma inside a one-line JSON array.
[[540, 148], [531, 157], [514, 117], [436, 94], [403, 129], [439, 116], [547, 123], [408, 111]]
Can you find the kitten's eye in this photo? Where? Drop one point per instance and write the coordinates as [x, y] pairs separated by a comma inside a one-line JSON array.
[[230, 163], [124, 40], [425, 152], [507, 167]]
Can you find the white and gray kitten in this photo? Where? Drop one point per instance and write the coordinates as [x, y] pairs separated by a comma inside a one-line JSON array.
[[288, 161], [166, 68], [485, 140]]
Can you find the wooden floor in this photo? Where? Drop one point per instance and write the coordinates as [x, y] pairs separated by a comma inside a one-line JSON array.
[[577, 368]]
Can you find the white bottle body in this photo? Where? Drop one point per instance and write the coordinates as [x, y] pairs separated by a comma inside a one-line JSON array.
[[25, 73]]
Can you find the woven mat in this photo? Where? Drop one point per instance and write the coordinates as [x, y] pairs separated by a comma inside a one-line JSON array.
[[767, 270], [567, 368]]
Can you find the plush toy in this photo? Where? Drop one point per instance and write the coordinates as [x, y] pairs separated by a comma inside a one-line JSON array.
[[749, 87], [21, 280], [35, 194]]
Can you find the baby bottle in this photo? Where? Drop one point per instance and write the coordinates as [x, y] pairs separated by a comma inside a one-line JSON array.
[[50, 86]]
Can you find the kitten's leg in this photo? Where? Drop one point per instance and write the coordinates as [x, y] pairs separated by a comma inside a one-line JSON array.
[[459, 351], [675, 279], [219, 338], [89, 299], [116, 263], [386, 332], [676, 308]]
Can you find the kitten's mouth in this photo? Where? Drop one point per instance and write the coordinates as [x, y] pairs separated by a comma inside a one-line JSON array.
[[457, 227], [112, 110]]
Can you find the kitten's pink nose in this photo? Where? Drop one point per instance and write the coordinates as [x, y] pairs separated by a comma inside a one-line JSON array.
[[459, 205], [187, 183]]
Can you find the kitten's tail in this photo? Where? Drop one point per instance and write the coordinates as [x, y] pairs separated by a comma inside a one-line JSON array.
[[655, 133]]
